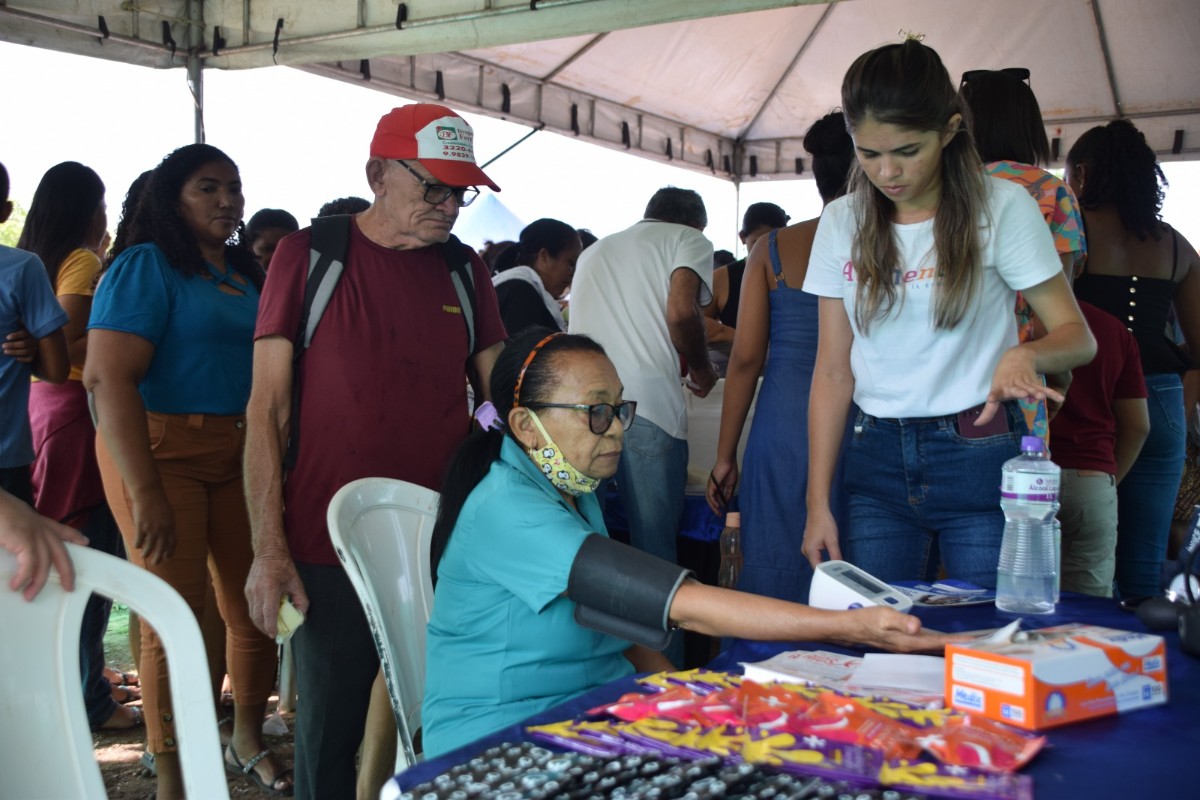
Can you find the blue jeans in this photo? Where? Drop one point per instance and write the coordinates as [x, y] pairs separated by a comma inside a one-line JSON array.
[[1146, 497], [104, 536], [17, 481], [336, 664], [922, 495], [652, 477]]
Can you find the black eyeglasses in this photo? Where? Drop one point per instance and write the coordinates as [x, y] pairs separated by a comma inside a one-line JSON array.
[[600, 415], [1020, 73], [438, 193]]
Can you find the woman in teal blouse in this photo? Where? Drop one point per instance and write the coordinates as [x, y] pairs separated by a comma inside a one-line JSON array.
[[170, 345], [517, 508]]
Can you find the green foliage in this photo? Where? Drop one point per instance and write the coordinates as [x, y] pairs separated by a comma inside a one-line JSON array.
[[11, 231]]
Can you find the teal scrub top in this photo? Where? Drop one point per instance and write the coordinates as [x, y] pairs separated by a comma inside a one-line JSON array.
[[502, 642], [203, 337]]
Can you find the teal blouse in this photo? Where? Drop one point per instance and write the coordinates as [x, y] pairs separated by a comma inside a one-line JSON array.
[[502, 641]]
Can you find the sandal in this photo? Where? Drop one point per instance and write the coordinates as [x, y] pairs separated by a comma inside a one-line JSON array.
[[247, 770], [225, 730], [118, 678], [126, 694], [123, 723]]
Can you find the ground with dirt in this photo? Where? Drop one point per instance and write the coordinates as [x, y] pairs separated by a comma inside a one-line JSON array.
[[119, 753]]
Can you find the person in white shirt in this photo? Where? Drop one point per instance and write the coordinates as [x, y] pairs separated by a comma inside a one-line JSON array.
[[917, 270], [639, 293]]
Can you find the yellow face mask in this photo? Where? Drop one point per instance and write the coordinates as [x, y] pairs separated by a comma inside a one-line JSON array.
[[556, 468]]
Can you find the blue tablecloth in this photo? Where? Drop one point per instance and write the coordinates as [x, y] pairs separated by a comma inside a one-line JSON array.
[[1143, 754]]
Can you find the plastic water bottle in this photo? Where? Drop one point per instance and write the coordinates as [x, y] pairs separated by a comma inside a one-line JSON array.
[[1027, 575], [731, 551], [1057, 559]]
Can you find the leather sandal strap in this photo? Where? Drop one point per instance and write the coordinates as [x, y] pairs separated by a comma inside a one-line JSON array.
[[250, 764]]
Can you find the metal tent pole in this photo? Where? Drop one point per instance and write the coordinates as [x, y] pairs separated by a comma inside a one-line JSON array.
[[195, 64]]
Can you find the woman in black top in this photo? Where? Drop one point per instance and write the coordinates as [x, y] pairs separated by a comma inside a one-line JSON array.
[[532, 274], [1139, 269]]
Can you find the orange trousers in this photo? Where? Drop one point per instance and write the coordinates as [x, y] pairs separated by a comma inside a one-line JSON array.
[[199, 459]]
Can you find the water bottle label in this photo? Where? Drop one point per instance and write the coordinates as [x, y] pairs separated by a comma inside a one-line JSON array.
[[1032, 486]]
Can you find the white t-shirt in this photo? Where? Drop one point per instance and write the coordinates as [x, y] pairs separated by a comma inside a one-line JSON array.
[[904, 367], [619, 298]]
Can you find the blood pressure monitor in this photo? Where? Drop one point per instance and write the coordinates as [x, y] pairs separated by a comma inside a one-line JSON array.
[[839, 585]]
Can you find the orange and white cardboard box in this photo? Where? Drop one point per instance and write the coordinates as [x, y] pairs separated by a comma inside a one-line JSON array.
[[1058, 675]]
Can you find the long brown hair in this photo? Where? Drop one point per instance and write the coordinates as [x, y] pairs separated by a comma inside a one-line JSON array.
[[907, 85]]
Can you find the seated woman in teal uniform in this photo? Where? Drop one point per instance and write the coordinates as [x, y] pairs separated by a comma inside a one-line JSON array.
[[534, 604]]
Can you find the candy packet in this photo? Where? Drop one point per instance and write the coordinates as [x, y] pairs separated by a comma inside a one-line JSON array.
[[845, 719], [812, 755], [701, 681], [677, 702], [982, 744], [953, 781], [666, 737], [590, 738]]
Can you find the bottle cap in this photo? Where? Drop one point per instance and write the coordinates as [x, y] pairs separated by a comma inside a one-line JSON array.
[[1031, 444], [733, 519]]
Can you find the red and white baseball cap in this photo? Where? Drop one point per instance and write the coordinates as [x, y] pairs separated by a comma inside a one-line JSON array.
[[440, 140]]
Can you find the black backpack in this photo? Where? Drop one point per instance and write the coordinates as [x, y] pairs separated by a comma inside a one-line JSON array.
[[326, 262]]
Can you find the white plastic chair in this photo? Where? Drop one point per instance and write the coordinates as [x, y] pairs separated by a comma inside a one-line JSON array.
[[45, 742], [381, 529]]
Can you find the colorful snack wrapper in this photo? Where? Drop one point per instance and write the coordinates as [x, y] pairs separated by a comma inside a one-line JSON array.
[[844, 719], [949, 780], [805, 731], [911, 715], [701, 681], [812, 755], [668, 737], [722, 708], [770, 707], [677, 702], [589, 738], [982, 744]]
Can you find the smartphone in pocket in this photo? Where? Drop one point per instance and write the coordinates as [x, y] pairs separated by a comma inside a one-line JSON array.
[[994, 427]]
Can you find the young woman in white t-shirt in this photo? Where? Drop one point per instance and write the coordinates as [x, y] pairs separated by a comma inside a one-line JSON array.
[[917, 272]]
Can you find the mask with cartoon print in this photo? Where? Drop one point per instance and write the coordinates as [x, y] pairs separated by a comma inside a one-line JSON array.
[[554, 465]]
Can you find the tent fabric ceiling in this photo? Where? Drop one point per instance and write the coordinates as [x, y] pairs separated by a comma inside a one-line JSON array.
[[722, 87]]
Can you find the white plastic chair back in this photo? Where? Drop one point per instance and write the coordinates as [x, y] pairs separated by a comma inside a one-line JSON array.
[[381, 529], [45, 742]]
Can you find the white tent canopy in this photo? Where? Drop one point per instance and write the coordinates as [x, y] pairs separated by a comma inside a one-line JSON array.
[[488, 220], [717, 86]]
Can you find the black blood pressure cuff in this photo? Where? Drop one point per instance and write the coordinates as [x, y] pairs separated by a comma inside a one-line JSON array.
[[623, 592]]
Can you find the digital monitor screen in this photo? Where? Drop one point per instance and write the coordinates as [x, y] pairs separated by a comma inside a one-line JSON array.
[[863, 581]]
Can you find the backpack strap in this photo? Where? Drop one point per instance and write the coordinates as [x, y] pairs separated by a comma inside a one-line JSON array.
[[458, 258], [329, 243]]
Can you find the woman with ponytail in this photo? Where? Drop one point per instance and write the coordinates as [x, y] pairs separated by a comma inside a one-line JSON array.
[[523, 561], [1139, 269], [917, 270]]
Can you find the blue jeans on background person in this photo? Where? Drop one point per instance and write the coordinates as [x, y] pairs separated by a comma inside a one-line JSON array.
[[652, 477], [17, 482], [1146, 496], [336, 665], [922, 495], [103, 536]]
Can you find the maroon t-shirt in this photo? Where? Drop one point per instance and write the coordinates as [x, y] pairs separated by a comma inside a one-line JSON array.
[[383, 385], [1084, 433]]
